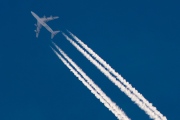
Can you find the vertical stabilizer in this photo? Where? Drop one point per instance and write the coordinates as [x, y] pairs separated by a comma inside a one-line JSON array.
[[54, 33]]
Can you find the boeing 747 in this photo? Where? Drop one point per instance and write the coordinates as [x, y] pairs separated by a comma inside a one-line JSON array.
[[42, 22]]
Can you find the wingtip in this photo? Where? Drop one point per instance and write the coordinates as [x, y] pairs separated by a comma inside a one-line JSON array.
[[56, 17]]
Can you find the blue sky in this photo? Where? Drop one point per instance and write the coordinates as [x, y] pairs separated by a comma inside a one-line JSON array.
[[139, 39]]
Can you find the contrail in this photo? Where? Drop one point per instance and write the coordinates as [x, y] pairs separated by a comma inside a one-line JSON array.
[[91, 82], [119, 77], [113, 79], [91, 85]]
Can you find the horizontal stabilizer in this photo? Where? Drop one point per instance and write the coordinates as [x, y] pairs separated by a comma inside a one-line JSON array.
[[54, 33]]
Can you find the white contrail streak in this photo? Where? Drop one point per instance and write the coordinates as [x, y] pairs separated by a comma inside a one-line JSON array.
[[113, 79], [119, 77], [91, 86], [113, 105]]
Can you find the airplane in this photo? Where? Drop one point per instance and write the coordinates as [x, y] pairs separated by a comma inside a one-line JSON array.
[[42, 22]]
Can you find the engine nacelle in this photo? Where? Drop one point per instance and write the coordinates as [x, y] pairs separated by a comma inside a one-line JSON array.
[[35, 25], [35, 31]]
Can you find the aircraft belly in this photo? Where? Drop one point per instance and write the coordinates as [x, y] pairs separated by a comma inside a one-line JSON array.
[[47, 27]]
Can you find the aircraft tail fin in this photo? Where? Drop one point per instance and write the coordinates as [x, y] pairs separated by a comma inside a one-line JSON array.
[[54, 33]]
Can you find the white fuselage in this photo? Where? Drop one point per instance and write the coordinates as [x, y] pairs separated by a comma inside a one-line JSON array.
[[42, 22]]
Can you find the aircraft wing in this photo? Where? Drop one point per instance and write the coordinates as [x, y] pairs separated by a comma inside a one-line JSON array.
[[38, 25], [46, 19]]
